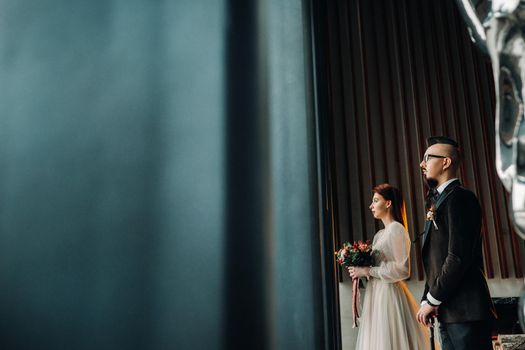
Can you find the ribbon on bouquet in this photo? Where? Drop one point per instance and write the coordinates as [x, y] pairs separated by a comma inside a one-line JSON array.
[[356, 296]]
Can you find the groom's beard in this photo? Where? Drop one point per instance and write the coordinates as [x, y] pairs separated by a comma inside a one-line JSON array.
[[432, 183]]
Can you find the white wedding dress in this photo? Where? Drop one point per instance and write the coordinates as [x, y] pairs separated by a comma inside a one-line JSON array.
[[388, 319]]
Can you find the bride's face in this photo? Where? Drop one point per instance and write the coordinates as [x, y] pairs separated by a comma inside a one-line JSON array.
[[379, 206]]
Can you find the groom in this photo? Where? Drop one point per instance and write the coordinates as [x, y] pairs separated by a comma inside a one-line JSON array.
[[455, 290]]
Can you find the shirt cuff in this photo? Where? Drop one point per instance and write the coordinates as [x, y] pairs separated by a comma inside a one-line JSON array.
[[432, 301], [424, 302]]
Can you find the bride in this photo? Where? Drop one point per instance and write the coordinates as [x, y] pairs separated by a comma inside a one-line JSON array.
[[388, 319]]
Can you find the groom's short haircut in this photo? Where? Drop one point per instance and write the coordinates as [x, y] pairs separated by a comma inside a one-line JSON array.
[[455, 154], [432, 140]]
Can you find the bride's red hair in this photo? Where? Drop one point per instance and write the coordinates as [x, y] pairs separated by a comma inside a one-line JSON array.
[[391, 193]]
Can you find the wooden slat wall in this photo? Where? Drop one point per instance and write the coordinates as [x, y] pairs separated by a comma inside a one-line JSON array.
[[400, 71]]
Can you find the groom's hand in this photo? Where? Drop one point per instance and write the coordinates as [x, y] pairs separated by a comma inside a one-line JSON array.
[[426, 311]]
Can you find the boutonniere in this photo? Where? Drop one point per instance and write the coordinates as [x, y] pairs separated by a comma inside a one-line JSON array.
[[431, 215]]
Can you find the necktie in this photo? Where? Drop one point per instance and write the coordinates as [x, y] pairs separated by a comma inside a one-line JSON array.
[[434, 195]]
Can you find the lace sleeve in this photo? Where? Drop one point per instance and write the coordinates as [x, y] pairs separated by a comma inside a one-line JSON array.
[[395, 262]]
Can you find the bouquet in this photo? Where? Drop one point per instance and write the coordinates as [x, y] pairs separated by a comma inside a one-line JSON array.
[[357, 254]]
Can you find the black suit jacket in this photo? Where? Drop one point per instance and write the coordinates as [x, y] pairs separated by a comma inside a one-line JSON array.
[[452, 258]]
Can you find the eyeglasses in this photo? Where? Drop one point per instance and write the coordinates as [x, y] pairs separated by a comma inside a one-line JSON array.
[[427, 157]]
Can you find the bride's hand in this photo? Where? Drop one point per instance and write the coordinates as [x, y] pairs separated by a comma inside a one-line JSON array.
[[356, 272]]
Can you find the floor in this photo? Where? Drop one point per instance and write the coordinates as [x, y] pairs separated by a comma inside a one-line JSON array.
[[509, 287]]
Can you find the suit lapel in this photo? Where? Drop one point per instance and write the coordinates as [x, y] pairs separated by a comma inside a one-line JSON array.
[[448, 190], [427, 230]]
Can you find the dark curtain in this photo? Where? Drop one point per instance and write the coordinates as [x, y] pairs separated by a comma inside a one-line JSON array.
[[401, 71]]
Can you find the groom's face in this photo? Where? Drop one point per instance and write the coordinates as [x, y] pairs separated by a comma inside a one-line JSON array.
[[433, 162]]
